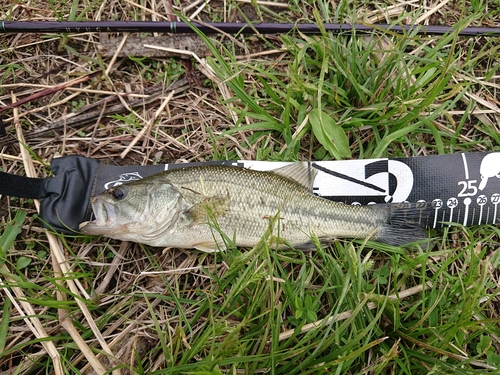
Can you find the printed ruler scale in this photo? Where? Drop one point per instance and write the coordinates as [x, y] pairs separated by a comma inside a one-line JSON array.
[[463, 188]]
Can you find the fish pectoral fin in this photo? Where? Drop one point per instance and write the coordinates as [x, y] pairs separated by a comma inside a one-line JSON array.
[[209, 208], [301, 173], [209, 247]]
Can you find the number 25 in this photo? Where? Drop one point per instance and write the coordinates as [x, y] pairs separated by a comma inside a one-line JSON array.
[[468, 188]]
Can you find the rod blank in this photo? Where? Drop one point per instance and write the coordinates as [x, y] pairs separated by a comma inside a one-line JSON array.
[[230, 28]]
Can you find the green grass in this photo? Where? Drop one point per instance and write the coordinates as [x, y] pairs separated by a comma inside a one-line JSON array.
[[375, 82], [251, 310], [236, 322]]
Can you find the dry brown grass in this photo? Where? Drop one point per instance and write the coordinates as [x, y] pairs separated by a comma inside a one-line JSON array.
[[177, 133]]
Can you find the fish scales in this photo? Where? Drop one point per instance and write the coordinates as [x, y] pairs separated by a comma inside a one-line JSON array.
[[254, 197], [175, 208]]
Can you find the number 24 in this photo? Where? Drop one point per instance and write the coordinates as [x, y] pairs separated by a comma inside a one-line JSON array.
[[468, 188]]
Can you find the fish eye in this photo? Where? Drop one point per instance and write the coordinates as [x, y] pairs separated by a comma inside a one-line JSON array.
[[118, 193]]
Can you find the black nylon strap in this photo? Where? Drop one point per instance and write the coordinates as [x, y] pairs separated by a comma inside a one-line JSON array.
[[21, 186]]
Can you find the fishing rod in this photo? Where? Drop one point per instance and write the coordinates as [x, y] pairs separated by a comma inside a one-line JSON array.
[[231, 28]]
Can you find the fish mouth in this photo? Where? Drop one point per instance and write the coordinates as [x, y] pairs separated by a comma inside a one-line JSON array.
[[105, 218]]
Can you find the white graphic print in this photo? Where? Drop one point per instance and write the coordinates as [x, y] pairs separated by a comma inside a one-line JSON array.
[[490, 167], [364, 178], [404, 176], [125, 177]]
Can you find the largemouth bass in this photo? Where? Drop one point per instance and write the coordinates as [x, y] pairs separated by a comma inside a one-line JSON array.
[[190, 207]]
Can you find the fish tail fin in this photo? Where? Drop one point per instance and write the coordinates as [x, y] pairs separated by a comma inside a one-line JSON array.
[[405, 223]]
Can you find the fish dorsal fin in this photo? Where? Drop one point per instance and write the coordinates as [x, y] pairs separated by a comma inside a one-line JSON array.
[[302, 173]]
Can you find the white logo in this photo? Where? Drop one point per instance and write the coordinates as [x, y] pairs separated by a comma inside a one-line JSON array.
[[125, 177], [490, 167]]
